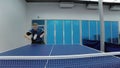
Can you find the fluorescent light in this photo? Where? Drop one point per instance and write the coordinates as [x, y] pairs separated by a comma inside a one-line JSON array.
[[108, 0], [117, 1], [112, 1], [103, 0], [93, 0]]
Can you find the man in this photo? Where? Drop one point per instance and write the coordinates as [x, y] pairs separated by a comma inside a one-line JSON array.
[[36, 33]]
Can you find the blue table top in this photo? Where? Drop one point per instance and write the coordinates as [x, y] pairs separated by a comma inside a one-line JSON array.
[[44, 50]]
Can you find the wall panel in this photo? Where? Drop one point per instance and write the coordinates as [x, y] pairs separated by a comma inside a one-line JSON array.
[[59, 31], [67, 29], [85, 30], [50, 32], [93, 30], [76, 32], [107, 31], [115, 32]]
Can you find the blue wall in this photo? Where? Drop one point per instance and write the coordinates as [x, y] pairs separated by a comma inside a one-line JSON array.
[[40, 22], [76, 31], [85, 30], [115, 32], [68, 31], [50, 32], [59, 31], [108, 31], [93, 30]]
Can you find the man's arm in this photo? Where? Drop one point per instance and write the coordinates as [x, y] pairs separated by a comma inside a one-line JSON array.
[[42, 34], [27, 36]]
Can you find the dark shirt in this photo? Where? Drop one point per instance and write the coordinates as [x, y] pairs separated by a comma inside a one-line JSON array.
[[37, 32]]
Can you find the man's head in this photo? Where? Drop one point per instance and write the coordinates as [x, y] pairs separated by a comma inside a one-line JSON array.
[[35, 26]]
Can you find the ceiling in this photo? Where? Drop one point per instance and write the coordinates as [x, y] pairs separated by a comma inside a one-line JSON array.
[[75, 1], [111, 2], [50, 0]]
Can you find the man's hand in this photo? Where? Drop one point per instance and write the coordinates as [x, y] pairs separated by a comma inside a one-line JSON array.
[[41, 35], [27, 37]]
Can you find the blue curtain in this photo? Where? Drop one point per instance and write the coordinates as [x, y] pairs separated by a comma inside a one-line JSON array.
[[50, 32], [98, 30], [40, 22], [115, 32], [107, 31], [76, 31], [93, 30], [59, 32], [85, 30], [67, 29]]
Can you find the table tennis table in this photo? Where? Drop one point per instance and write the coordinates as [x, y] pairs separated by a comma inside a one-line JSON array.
[[56, 50]]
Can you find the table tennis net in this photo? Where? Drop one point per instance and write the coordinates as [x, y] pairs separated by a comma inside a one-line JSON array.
[[64, 61], [91, 55]]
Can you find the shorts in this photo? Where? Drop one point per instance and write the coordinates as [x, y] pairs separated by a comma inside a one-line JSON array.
[[38, 42]]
